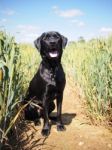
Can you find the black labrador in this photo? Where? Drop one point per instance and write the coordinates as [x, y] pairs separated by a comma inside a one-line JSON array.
[[49, 81]]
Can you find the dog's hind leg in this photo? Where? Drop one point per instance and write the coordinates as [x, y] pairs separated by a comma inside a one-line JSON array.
[[51, 107], [32, 114]]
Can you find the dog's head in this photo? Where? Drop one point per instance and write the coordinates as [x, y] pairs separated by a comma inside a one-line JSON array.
[[51, 44]]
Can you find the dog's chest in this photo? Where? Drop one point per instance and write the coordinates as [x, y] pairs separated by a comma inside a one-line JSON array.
[[52, 77], [49, 77]]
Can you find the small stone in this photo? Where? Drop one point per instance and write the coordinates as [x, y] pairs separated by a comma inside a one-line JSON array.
[[109, 145], [81, 143]]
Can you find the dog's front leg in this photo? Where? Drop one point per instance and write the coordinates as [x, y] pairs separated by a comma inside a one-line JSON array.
[[60, 126], [46, 126]]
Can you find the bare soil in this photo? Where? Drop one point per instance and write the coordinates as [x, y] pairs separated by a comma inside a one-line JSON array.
[[79, 134]]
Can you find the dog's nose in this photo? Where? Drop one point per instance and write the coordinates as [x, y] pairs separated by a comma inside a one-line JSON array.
[[52, 42]]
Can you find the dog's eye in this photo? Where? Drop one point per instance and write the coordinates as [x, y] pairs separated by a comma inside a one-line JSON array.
[[56, 36], [46, 37]]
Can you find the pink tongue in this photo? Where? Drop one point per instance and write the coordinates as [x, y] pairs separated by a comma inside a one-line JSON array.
[[53, 54]]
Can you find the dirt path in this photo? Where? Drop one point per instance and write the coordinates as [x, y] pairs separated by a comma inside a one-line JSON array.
[[79, 134]]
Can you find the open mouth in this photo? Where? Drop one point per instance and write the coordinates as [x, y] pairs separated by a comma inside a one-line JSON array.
[[53, 54]]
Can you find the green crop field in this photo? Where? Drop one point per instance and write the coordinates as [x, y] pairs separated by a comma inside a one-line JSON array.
[[88, 63]]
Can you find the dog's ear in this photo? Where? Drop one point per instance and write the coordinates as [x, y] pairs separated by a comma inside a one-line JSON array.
[[64, 41], [37, 42]]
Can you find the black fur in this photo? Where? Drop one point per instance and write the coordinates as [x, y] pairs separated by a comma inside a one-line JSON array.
[[49, 81]]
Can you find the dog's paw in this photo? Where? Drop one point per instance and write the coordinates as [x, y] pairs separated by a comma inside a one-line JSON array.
[[45, 132], [61, 127]]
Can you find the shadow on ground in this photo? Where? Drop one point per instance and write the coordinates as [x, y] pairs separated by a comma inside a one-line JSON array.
[[66, 118]]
